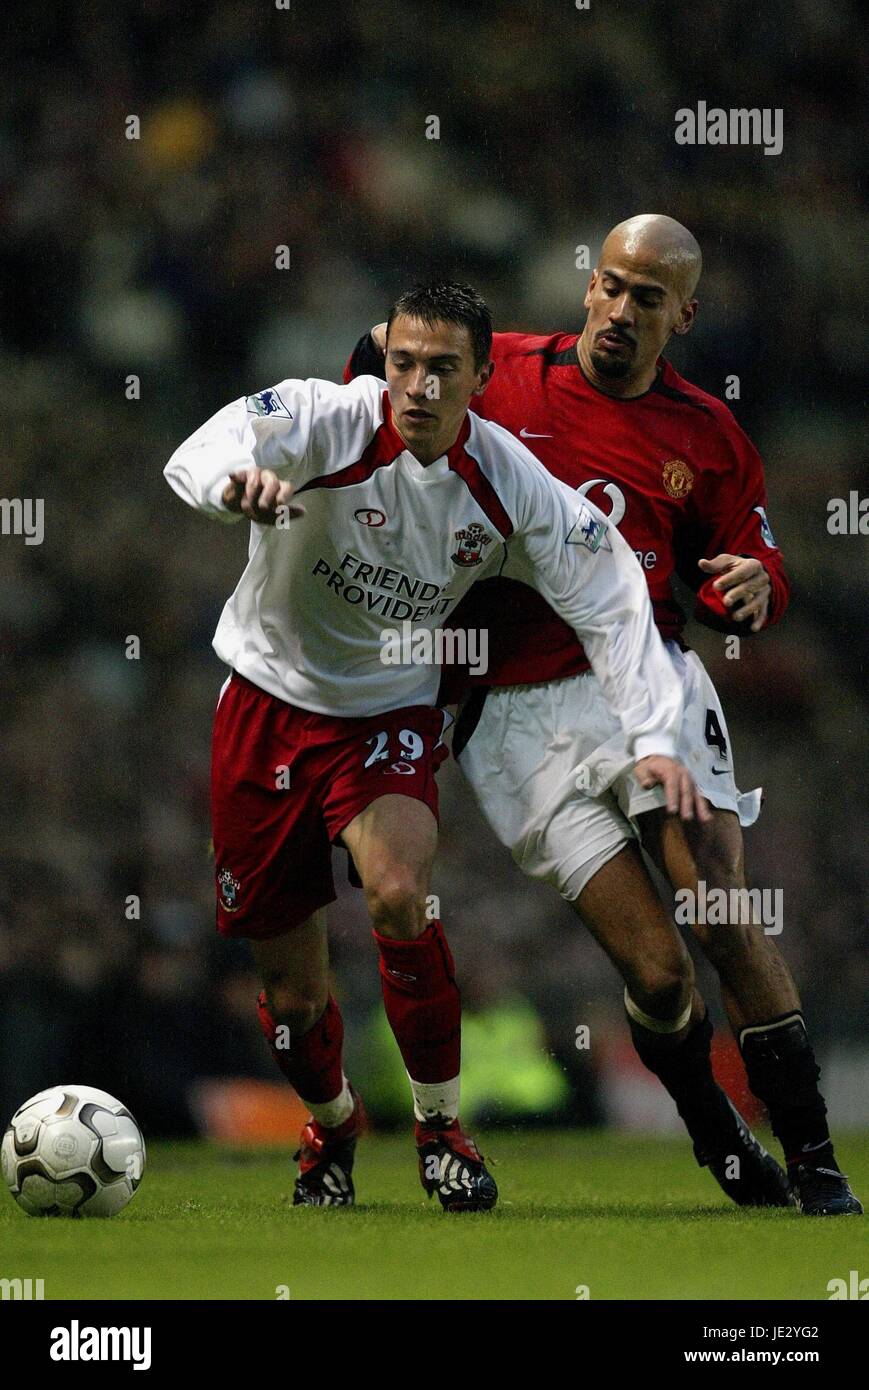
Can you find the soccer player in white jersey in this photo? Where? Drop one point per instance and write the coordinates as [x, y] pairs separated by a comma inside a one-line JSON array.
[[369, 508]]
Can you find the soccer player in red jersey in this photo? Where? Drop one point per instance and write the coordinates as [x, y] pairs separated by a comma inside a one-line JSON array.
[[608, 415], [408, 501]]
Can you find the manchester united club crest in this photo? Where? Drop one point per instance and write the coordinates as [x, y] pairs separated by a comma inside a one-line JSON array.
[[472, 542], [228, 886], [678, 478]]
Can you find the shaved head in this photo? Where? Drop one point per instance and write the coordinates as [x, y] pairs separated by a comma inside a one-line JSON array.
[[657, 239], [641, 291]]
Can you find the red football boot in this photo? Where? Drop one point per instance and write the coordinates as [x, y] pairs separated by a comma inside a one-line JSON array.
[[325, 1159], [451, 1165]]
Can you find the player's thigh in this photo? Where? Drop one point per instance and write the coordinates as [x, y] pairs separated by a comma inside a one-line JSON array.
[[382, 800], [393, 843], [621, 908], [272, 853], [294, 969], [520, 756], [519, 750], [703, 745], [687, 851], [752, 971]]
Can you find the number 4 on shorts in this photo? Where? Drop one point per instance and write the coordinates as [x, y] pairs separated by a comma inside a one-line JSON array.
[[714, 733]]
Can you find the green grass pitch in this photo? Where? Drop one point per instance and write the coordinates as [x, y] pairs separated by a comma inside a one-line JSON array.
[[626, 1217]]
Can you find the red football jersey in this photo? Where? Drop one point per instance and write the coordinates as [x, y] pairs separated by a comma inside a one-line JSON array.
[[672, 468]]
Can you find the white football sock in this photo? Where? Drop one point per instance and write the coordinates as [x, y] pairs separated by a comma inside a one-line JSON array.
[[332, 1113], [431, 1098]]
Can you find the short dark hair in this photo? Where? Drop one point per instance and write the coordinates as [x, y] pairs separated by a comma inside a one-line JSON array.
[[447, 301]]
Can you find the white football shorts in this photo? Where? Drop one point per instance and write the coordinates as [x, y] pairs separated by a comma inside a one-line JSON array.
[[532, 743]]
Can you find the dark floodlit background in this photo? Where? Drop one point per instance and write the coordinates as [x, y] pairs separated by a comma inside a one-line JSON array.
[[156, 258]]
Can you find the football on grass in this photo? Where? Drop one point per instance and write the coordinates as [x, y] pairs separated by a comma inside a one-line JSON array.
[[73, 1151]]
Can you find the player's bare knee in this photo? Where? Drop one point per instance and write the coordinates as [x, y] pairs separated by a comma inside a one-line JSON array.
[[661, 987], [720, 861], [396, 901], [296, 1008]]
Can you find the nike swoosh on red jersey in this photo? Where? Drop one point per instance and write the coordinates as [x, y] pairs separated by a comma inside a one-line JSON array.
[[526, 434]]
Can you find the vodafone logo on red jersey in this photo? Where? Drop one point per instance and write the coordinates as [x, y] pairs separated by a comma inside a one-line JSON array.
[[370, 516]]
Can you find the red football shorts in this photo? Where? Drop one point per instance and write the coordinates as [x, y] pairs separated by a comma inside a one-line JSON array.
[[284, 784]]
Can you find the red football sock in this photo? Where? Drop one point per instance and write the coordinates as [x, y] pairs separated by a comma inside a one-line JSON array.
[[422, 1003], [312, 1061]]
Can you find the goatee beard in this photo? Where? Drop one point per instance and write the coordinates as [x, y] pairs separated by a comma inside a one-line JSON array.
[[605, 364]]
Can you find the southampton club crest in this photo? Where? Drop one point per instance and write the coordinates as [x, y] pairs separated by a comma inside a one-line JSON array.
[[472, 541], [229, 887]]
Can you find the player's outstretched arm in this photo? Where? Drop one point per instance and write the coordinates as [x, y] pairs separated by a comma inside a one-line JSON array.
[[220, 469], [260, 495], [247, 460], [590, 576]]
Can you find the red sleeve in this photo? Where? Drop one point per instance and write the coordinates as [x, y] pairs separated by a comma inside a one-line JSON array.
[[364, 360], [733, 521]]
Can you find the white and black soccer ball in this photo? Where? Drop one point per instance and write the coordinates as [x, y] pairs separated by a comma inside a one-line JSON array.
[[72, 1151]]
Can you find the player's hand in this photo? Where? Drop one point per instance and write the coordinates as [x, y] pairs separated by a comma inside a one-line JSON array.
[[378, 336], [745, 586], [258, 493], [680, 790]]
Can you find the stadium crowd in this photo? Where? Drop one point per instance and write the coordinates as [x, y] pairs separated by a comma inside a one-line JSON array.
[[141, 292]]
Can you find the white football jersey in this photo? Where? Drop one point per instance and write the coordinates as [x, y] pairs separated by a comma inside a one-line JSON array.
[[386, 540]]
